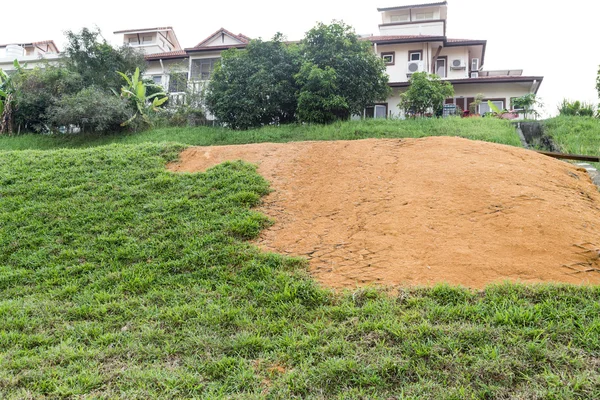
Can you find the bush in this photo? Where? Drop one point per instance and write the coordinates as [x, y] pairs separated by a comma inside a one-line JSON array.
[[37, 91], [576, 109], [426, 92], [91, 110]]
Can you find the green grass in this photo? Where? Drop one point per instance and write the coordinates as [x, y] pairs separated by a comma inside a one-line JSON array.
[[576, 135], [488, 129], [119, 279]]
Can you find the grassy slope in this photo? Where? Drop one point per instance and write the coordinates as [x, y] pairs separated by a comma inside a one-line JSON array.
[[579, 135], [487, 129], [120, 279]]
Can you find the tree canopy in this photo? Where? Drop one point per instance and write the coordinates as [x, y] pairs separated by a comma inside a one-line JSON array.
[[360, 77], [255, 86], [330, 75], [97, 62], [425, 92]]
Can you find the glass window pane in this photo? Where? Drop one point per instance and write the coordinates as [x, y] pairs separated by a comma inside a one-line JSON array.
[[440, 67], [380, 111]]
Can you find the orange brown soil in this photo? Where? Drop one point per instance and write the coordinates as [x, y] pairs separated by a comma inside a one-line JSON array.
[[423, 211]]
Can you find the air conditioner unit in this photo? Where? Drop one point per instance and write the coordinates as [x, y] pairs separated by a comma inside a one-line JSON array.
[[415, 66], [475, 64], [457, 63], [474, 74]]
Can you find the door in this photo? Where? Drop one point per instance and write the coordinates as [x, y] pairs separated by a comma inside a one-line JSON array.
[[440, 67]]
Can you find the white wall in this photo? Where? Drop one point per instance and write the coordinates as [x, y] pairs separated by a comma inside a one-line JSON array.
[[398, 71], [434, 28], [489, 90]]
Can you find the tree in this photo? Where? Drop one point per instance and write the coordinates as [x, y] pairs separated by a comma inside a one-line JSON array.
[[360, 78], [425, 92], [8, 91], [255, 86], [38, 90], [97, 62], [318, 101]]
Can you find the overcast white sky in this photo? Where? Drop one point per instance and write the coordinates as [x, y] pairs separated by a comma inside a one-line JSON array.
[[555, 39]]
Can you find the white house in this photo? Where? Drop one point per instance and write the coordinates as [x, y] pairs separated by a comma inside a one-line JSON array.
[[413, 38], [32, 54]]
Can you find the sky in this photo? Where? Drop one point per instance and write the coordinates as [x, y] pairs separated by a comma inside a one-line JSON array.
[[548, 38]]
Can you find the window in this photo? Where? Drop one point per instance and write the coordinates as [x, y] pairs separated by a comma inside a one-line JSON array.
[[388, 58], [133, 40], [399, 18], [178, 82], [440, 67], [203, 68], [376, 111], [157, 79], [147, 39], [415, 55], [485, 108], [423, 16]]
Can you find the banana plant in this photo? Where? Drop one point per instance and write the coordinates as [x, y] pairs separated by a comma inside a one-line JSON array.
[[135, 90], [7, 93]]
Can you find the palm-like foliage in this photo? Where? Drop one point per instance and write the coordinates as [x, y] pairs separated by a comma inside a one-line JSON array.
[[136, 92], [7, 92]]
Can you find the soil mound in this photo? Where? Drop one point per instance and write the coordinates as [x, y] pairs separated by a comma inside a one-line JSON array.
[[423, 211]]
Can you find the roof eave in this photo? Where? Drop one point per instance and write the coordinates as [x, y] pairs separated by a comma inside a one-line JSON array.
[[425, 5]]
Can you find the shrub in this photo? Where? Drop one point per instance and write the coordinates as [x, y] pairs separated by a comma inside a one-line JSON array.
[[576, 109], [91, 110], [38, 90], [426, 92]]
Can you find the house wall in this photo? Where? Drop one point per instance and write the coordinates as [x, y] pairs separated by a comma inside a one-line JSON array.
[[504, 91], [223, 40], [434, 28], [398, 71]]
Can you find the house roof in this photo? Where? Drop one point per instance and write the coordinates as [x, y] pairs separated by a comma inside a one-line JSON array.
[[443, 3], [167, 55], [164, 28], [41, 42], [170, 29], [485, 79], [391, 39], [242, 38]]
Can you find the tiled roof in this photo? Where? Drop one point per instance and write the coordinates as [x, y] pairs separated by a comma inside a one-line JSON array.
[[390, 38], [443, 3], [163, 28], [409, 38], [463, 40], [170, 54], [215, 48], [482, 79]]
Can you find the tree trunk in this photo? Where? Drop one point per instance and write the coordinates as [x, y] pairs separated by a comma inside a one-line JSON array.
[[6, 119]]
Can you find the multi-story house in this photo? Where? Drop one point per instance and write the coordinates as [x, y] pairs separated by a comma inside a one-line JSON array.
[[413, 39], [31, 54]]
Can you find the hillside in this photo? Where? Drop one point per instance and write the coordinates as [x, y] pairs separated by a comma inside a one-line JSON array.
[[120, 279]]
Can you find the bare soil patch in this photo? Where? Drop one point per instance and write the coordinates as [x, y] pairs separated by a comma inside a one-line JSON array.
[[423, 211]]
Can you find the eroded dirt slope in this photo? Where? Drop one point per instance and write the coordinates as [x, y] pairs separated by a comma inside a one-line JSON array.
[[422, 211]]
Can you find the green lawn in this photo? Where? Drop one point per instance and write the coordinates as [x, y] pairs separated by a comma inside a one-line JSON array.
[[488, 129], [119, 279]]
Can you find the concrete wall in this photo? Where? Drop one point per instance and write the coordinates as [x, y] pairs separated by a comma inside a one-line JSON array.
[[494, 91], [434, 28], [398, 71]]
